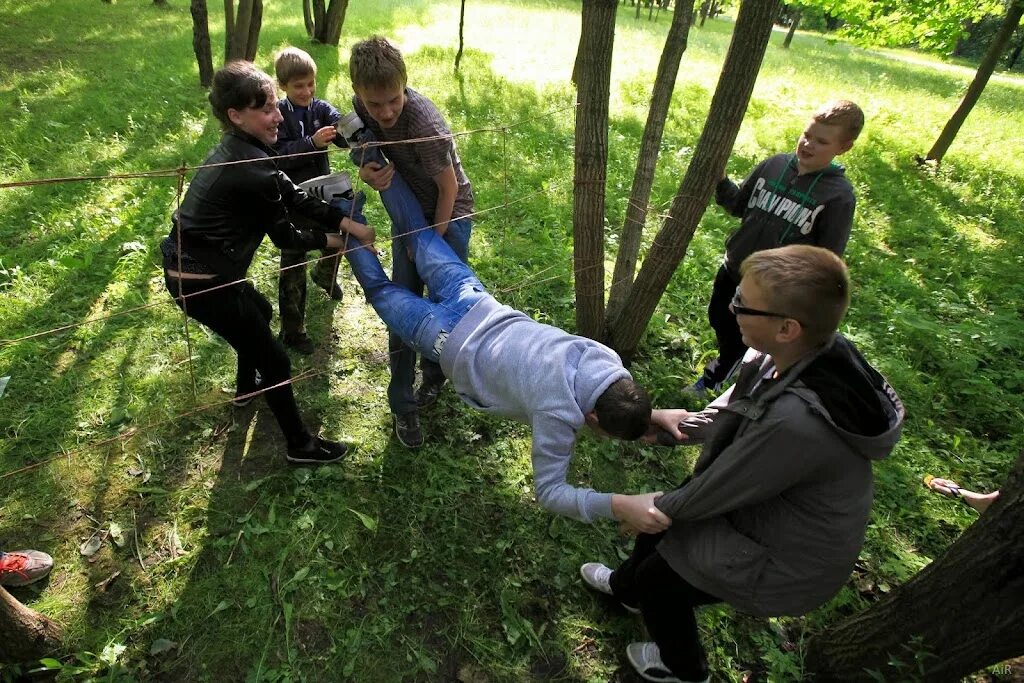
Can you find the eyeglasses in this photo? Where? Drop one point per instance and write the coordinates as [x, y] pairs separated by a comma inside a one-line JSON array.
[[737, 308]]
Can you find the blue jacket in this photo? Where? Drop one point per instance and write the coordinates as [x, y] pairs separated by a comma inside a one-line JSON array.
[[295, 135]]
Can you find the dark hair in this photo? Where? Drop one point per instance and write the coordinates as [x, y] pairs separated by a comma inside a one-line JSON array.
[[238, 85], [376, 63], [624, 410]]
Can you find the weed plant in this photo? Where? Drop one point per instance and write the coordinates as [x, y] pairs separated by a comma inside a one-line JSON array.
[[220, 563]]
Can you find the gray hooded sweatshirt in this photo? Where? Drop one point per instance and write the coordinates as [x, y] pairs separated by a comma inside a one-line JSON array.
[[773, 518], [505, 363]]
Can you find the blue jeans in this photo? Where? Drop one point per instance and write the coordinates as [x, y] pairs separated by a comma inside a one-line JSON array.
[[407, 214], [422, 324]]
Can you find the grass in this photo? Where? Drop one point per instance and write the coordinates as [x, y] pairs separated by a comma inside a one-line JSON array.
[[437, 564]]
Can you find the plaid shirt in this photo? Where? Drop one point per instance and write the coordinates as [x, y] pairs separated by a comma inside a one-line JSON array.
[[419, 162]]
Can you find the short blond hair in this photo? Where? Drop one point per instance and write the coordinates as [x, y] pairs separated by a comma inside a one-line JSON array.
[[809, 284], [291, 63], [376, 63], [843, 113]]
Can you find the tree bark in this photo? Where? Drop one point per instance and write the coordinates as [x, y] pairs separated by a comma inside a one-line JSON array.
[[201, 42], [27, 635], [728, 105], [462, 24], [591, 159], [252, 36], [229, 27], [985, 69], [704, 12], [792, 29], [333, 21], [643, 177], [966, 608], [307, 19]]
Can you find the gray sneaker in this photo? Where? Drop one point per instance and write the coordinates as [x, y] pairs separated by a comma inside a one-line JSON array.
[[427, 395], [646, 659], [598, 577], [407, 430]]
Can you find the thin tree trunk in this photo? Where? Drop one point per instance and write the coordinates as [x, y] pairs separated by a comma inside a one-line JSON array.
[[335, 19], [201, 42], [307, 19], [252, 37], [462, 24], [27, 635], [591, 160], [1015, 55], [704, 12], [728, 105], [985, 69], [229, 27], [792, 29], [966, 608], [647, 160], [238, 43]]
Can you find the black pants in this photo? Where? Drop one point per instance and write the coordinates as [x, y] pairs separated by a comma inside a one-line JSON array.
[[241, 315], [730, 342], [666, 601]]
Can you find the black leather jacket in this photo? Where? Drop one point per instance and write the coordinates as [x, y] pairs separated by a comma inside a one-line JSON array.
[[228, 209]]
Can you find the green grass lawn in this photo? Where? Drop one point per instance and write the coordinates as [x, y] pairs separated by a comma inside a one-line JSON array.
[[437, 564]]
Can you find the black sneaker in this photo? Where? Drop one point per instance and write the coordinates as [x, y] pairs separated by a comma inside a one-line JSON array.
[[407, 430], [299, 342], [317, 452], [427, 394]]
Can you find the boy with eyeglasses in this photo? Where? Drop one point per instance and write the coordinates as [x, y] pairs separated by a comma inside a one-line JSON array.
[[773, 518]]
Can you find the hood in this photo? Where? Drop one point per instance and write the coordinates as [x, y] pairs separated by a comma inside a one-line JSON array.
[[597, 369], [839, 384]]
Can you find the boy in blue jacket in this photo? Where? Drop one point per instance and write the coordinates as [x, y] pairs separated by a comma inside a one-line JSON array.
[[308, 126]]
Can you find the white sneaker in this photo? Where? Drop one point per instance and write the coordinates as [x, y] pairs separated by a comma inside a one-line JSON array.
[[646, 659], [598, 577], [328, 187]]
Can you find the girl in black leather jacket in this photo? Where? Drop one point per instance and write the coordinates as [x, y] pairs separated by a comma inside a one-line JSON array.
[[227, 210]]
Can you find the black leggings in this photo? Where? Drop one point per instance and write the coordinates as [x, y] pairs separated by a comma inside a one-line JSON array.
[[241, 315], [666, 601], [727, 333]]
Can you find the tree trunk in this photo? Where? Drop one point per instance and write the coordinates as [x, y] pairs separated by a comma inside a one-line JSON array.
[[201, 42], [243, 30], [334, 19], [985, 69], [462, 24], [252, 37], [704, 12], [795, 21], [728, 105], [1015, 55], [229, 27], [591, 159], [961, 42], [966, 608], [27, 635], [643, 177], [307, 19]]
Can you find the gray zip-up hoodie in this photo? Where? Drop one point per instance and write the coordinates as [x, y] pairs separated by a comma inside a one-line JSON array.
[[505, 363], [779, 207], [773, 518]]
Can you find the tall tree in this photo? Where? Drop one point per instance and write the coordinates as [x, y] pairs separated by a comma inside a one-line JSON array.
[[201, 41], [794, 21], [324, 22], [27, 634], [983, 625], [643, 177], [728, 105], [242, 29], [593, 80], [988, 64]]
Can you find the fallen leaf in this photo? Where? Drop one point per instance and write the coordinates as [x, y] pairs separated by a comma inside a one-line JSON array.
[[161, 645], [90, 547], [103, 585]]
